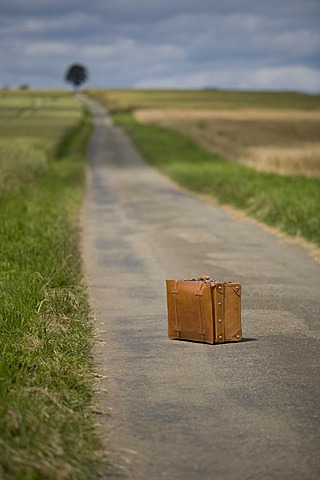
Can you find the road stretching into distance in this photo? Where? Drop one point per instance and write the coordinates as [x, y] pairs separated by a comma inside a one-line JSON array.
[[180, 410]]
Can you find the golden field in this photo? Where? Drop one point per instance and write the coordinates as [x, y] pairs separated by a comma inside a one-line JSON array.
[[285, 141]]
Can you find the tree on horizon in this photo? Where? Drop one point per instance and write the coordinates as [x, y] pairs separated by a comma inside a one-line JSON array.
[[76, 74]]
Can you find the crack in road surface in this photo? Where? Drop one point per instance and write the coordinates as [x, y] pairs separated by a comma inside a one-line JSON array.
[[181, 410]]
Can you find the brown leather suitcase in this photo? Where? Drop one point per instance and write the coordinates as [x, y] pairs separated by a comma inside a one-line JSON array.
[[204, 310]]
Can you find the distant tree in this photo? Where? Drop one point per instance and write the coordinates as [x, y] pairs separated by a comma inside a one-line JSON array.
[[24, 86], [76, 74]]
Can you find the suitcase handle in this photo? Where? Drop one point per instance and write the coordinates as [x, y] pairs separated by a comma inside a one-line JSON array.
[[207, 279], [204, 278]]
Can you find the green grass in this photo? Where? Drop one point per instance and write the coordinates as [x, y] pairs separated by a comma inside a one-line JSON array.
[[46, 369], [291, 203], [129, 100], [38, 115]]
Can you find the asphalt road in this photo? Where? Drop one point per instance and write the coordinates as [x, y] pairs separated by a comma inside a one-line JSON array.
[[181, 410]]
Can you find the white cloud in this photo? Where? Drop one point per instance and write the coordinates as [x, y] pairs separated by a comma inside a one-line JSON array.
[[301, 42], [282, 78], [297, 77], [244, 22], [57, 24], [133, 52], [114, 62], [47, 49]]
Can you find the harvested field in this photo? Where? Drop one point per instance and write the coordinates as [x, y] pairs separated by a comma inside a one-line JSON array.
[[284, 141]]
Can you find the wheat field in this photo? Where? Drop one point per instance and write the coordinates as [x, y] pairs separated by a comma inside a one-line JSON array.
[[284, 141]]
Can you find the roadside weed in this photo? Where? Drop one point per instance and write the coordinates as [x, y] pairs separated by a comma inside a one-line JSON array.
[[46, 369]]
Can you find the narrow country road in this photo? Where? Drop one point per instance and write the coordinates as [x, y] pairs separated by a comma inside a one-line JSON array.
[[180, 410]]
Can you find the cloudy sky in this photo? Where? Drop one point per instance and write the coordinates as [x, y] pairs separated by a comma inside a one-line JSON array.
[[233, 44]]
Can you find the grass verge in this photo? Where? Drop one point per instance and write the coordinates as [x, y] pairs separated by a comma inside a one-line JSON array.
[[290, 203], [46, 428]]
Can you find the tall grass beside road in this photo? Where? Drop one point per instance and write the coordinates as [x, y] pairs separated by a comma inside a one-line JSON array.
[[291, 203], [46, 370]]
